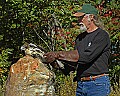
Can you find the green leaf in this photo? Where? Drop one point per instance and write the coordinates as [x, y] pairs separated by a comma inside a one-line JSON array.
[[13, 26], [1, 37]]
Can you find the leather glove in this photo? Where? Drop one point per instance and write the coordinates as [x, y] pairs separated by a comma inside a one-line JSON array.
[[72, 56], [51, 56]]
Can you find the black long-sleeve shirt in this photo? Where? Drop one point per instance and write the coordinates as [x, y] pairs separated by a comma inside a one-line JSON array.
[[94, 52]]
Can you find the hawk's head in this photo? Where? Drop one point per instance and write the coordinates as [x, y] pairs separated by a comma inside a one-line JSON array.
[[33, 50]]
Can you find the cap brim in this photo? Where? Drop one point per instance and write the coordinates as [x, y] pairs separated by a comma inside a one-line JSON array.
[[78, 14]]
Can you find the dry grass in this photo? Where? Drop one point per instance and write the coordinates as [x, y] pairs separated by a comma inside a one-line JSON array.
[[68, 87], [115, 92]]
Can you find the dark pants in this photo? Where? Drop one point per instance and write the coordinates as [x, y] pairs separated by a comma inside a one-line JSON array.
[[98, 87]]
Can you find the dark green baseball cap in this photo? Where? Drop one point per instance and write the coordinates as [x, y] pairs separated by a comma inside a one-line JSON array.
[[86, 9]]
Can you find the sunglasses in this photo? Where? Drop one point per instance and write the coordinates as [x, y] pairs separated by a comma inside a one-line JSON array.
[[80, 18]]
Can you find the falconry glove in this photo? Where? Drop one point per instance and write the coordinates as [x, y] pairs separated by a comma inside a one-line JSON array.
[[72, 56]]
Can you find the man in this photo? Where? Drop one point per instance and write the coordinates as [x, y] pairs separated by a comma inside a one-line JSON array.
[[92, 51]]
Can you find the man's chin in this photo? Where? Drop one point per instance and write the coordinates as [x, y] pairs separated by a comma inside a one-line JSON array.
[[83, 27]]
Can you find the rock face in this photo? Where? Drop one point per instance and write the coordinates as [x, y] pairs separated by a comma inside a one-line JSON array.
[[29, 77]]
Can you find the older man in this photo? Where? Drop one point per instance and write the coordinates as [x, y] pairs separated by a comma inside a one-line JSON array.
[[92, 51]]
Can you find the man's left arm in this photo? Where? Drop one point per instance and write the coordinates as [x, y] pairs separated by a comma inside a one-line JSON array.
[[71, 56]]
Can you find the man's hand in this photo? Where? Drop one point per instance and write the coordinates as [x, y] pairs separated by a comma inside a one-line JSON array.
[[50, 57]]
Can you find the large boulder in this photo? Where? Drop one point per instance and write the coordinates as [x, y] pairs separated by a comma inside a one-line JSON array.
[[30, 77]]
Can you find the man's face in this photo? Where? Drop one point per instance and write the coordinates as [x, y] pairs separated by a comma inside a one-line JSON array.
[[84, 22]]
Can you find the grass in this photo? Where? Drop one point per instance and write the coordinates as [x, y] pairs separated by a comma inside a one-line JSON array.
[[115, 92]]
